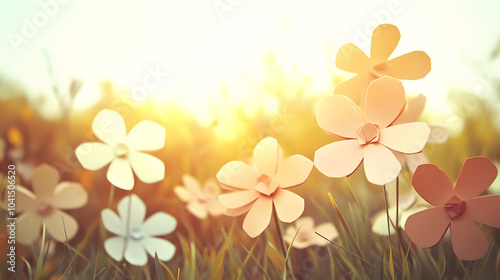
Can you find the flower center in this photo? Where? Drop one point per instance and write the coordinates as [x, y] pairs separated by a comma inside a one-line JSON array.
[[44, 208], [266, 185], [379, 70], [121, 150], [136, 233], [302, 236], [201, 199], [455, 207], [368, 133]]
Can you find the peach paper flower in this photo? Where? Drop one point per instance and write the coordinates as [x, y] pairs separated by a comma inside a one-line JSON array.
[[200, 201], [257, 190], [306, 237], [124, 152], [411, 66], [370, 134], [455, 208], [43, 206]]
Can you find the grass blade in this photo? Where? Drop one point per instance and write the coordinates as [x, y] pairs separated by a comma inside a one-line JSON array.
[[39, 263]]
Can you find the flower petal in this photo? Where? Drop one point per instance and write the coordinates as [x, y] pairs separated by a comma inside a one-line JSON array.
[[411, 66], [294, 171], [413, 110], [415, 160], [146, 136], [381, 165], [120, 174], [339, 115], [148, 168], [432, 184], [406, 138], [135, 253], [112, 222], [164, 248], [114, 247], [379, 221], [28, 228], [69, 195], [476, 176], [426, 228], [351, 59], [93, 155], [237, 174], [233, 212], [44, 180], [469, 243], [289, 206], [259, 216], [328, 230], [339, 159], [25, 200], [137, 210], [61, 226], [305, 224], [439, 134], [158, 224], [215, 208], [198, 209], [354, 88], [385, 39], [267, 155], [484, 210], [191, 183], [238, 198], [385, 101], [109, 127], [183, 194]]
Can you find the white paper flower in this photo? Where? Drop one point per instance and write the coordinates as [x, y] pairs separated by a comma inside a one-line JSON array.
[[136, 236], [200, 201], [307, 236], [43, 206], [123, 151]]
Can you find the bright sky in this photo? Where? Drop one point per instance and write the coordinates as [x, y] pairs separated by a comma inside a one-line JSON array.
[[202, 47]]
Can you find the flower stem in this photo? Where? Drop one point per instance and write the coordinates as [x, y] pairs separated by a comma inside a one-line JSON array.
[[280, 238]]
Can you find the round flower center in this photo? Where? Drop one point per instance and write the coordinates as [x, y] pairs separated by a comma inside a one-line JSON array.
[[455, 207], [136, 233], [266, 185], [121, 150], [44, 208], [302, 236], [379, 70], [368, 133]]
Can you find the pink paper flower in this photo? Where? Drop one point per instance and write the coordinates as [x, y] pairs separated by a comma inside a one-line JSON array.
[[455, 208], [411, 66], [307, 237], [370, 134], [200, 201], [257, 190]]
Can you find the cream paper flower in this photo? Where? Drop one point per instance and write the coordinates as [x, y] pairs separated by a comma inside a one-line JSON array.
[[124, 151], [137, 236], [43, 206], [200, 201], [307, 236]]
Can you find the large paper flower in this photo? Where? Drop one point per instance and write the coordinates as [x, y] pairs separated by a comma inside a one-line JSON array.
[[136, 236], [124, 152], [370, 134], [257, 190], [200, 201], [45, 204], [307, 236], [438, 135], [455, 208], [411, 66]]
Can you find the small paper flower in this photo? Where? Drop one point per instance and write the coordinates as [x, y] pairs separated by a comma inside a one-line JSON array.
[[124, 152], [411, 66], [455, 208], [257, 190], [438, 135], [43, 206], [140, 236], [200, 201], [306, 236], [370, 135]]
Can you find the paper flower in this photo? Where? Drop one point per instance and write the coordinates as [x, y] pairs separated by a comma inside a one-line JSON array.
[[306, 236], [455, 208], [257, 190], [370, 135], [200, 201], [45, 204], [438, 135], [411, 66], [136, 236], [124, 152]]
